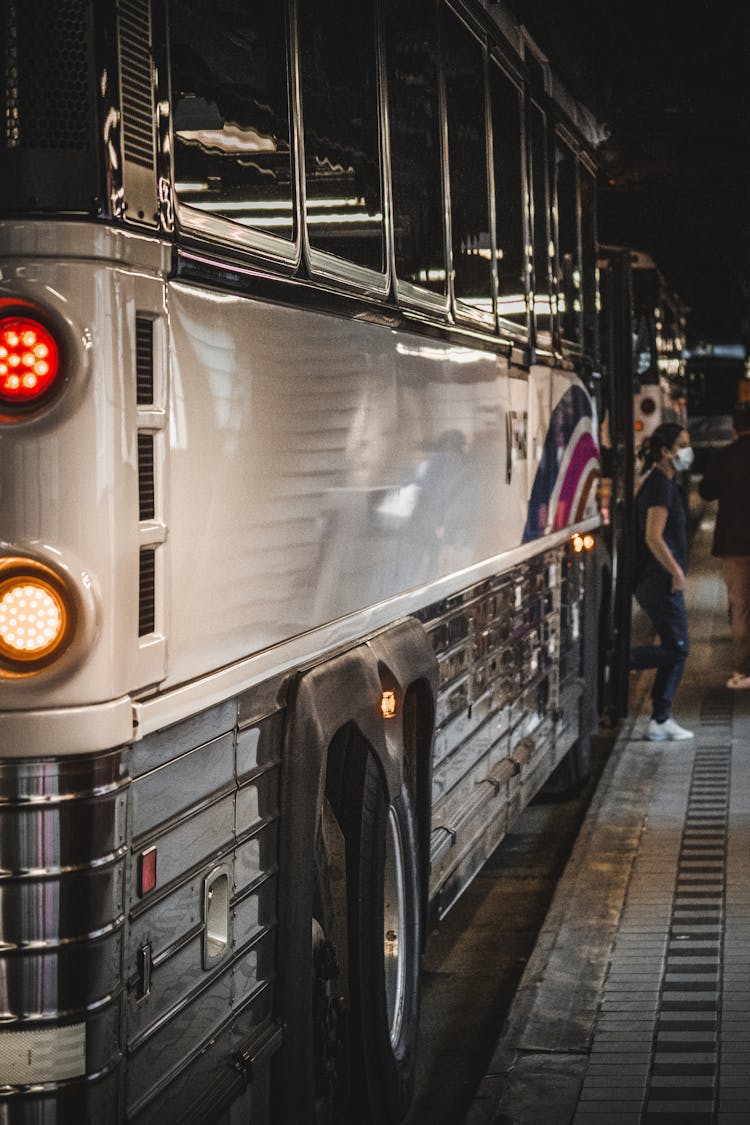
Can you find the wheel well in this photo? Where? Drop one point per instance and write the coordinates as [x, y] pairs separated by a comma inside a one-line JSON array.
[[418, 729]]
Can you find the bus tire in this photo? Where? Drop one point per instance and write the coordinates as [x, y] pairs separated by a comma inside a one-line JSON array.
[[328, 1014], [384, 945]]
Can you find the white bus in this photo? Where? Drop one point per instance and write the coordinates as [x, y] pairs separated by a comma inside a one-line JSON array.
[[300, 571]]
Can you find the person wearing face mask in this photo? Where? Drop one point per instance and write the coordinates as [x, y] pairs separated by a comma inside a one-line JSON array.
[[661, 525], [726, 480]]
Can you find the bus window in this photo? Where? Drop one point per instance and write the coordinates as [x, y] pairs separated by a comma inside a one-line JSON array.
[[344, 208], [467, 162], [540, 240], [569, 262], [414, 116], [587, 186], [232, 153], [509, 210]]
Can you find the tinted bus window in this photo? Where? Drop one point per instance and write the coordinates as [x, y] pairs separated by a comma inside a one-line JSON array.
[[414, 114], [509, 209], [342, 138], [540, 240], [232, 156], [588, 258], [467, 162], [569, 265]]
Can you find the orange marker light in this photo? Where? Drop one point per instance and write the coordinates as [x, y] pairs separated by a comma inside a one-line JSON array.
[[29, 360], [581, 543], [388, 705], [36, 616]]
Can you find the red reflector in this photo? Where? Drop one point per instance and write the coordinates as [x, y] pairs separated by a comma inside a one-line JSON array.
[[29, 360], [146, 871]]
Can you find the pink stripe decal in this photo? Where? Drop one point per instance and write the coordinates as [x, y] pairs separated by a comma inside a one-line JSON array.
[[585, 451]]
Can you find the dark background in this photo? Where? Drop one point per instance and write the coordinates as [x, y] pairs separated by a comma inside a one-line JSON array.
[[670, 81]]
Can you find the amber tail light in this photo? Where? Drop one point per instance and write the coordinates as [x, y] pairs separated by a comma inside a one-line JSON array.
[[37, 616]]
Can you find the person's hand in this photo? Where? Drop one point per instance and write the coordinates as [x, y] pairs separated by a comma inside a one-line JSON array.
[[678, 580]]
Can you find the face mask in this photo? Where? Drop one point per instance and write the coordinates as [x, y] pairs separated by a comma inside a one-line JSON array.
[[683, 458]]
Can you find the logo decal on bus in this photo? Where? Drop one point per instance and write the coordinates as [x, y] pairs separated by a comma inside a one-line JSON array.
[[564, 485]]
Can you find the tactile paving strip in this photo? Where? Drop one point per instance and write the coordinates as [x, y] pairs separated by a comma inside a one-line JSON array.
[[682, 1088], [655, 1056]]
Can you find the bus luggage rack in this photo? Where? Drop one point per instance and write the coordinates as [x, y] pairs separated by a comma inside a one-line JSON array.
[[504, 716]]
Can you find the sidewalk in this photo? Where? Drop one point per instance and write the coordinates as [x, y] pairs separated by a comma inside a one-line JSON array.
[[634, 1008]]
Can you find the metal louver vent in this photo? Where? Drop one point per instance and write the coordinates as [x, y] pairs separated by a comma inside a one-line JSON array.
[[46, 76], [147, 592], [146, 501], [144, 360], [134, 19]]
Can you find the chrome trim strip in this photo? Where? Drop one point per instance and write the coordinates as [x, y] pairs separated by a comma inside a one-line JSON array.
[[68, 1083], [58, 1014], [49, 945], [62, 869]]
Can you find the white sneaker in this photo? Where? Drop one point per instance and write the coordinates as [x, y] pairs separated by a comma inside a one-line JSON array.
[[668, 731]]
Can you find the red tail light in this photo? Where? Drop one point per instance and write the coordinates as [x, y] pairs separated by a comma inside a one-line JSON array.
[[29, 360]]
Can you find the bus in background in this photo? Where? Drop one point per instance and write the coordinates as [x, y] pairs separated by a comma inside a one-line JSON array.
[[717, 379], [658, 321], [659, 327], [302, 575], [642, 344]]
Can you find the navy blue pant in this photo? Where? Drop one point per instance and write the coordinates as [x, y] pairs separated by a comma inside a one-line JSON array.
[[667, 614]]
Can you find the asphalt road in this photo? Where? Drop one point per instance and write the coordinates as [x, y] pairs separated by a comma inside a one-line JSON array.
[[475, 960]]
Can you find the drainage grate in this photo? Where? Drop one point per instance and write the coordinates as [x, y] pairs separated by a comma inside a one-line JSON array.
[[685, 1062], [716, 707]]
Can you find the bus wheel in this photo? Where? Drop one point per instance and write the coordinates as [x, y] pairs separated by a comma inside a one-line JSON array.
[[328, 1007], [327, 1017], [384, 945]]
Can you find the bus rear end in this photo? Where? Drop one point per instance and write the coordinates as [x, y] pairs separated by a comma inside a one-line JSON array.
[[124, 877]]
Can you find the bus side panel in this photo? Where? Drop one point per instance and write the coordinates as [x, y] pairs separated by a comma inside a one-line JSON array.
[[319, 466], [200, 952]]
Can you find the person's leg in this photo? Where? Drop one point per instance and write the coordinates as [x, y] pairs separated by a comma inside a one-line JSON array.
[[666, 611], [671, 623], [649, 593]]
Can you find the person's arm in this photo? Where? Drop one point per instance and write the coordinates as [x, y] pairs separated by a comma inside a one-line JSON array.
[[656, 521]]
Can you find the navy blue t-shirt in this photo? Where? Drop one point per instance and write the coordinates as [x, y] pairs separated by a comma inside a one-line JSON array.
[[659, 491]]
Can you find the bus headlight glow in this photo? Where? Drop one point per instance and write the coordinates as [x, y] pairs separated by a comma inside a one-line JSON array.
[[582, 543], [36, 616]]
